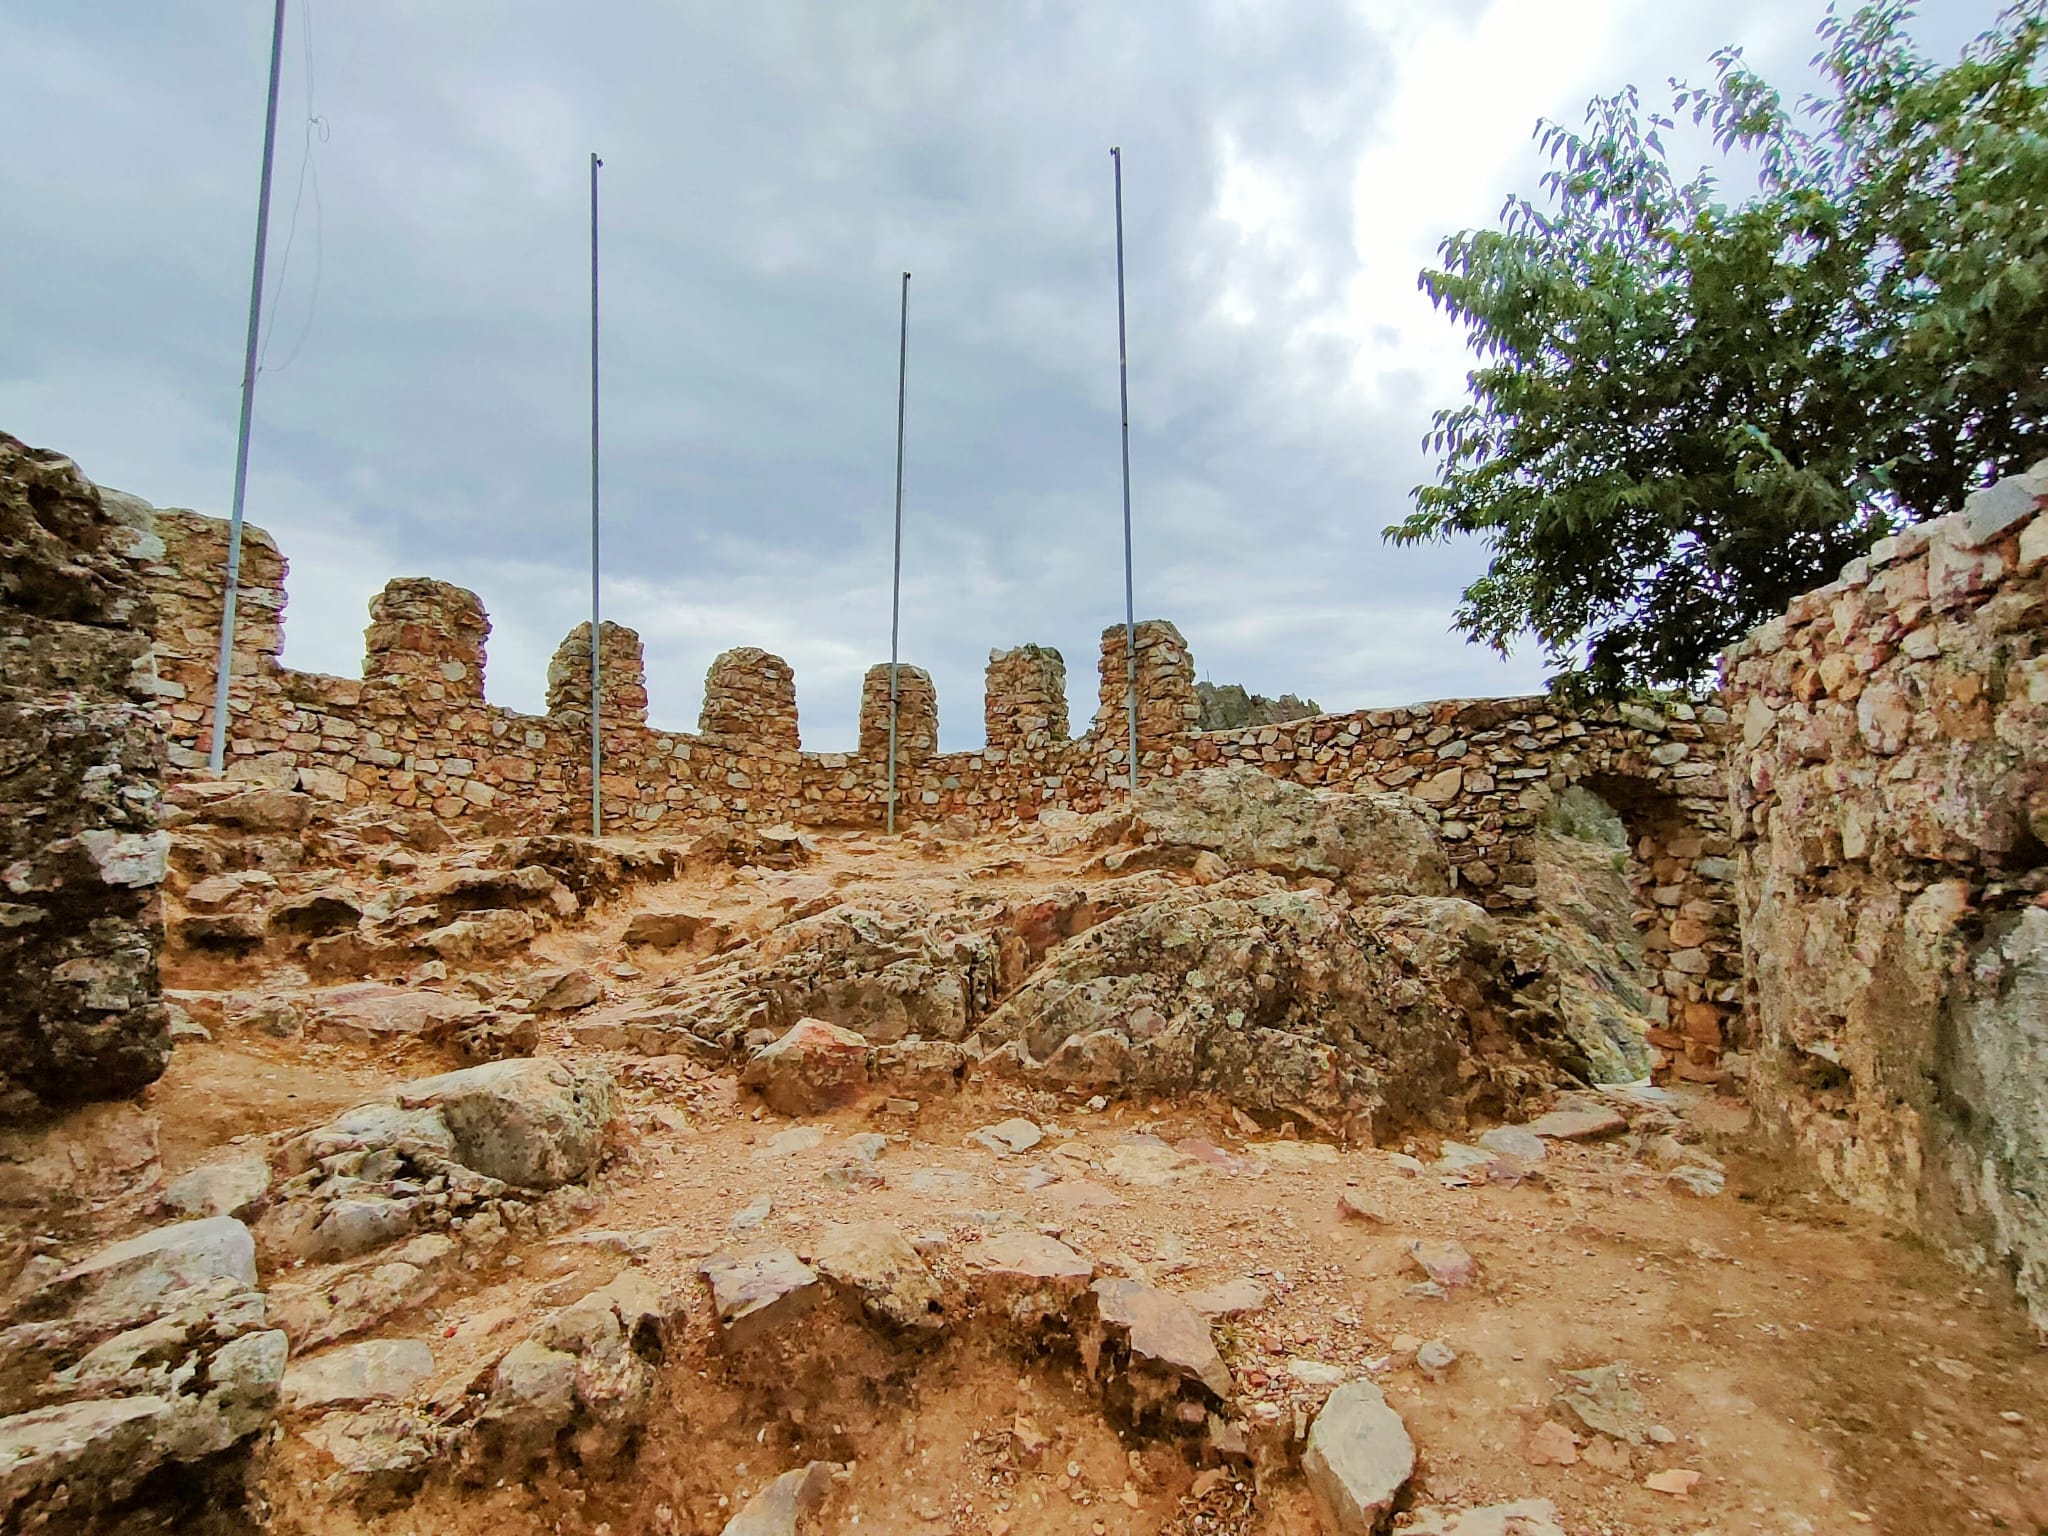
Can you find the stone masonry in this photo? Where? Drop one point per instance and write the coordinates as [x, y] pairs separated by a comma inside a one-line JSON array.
[[1890, 796], [81, 759], [416, 733]]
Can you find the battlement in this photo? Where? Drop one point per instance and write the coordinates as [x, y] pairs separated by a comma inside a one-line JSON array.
[[416, 733]]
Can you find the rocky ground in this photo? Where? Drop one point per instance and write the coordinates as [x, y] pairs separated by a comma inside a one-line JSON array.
[[1211, 1169]]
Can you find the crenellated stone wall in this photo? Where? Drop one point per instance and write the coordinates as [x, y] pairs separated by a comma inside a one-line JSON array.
[[1025, 705], [416, 733], [1890, 797], [81, 761], [917, 715]]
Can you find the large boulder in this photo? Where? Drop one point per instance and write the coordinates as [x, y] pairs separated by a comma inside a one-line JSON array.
[[531, 1121], [1366, 1014], [1372, 845]]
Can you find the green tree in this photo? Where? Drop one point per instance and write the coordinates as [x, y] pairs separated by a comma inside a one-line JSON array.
[[1685, 411]]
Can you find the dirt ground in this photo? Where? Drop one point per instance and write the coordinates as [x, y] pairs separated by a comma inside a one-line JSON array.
[[1819, 1374]]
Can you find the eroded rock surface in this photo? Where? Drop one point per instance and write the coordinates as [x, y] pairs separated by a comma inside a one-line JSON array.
[[81, 759]]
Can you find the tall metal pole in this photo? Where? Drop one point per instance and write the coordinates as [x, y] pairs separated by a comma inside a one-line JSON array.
[[1123, 389], [216, 757], [596, 731], [896, 576]]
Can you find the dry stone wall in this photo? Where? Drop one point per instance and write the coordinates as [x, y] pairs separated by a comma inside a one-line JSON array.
[[416, 733], [1890, 798], [81, 760]]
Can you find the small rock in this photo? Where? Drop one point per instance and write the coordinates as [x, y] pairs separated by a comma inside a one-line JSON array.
[[1008, 1136], [375, 1371], [1434, 1358], [811, 1067], [1233, 1298], [1552, 1445], [1609, 1456], [752, 1214], [1317, 1373], [219, 1189], [1524, 1517], [882, 1267], [566, 991], [1352, 1206], [1605, 1399], [1445, 1262], [1579, 1124], [788, 1143], [758, 1293], [1514, 1141], [1358, 1460], [1659, 1435], [1676, 1481], [776, 1509], [1166, 1336], [1691, 1179]]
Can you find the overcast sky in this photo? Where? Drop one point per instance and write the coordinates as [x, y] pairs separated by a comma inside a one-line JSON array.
[[770, 168]]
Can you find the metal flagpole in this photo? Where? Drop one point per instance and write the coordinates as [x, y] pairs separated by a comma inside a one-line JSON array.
[[216, 757], [596, 736], [896, 578], [1123, 389]]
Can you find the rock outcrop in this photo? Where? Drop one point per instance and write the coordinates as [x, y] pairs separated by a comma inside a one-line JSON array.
[[153, 1351], [445, 1151], [1359, 1016], [1372, 845], [586, 1373], [81, 759]]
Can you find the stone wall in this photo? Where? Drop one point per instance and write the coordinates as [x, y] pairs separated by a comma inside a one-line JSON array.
[[415, 732], [1890, 796], [81, 758]]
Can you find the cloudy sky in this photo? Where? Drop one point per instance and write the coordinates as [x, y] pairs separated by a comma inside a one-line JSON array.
[[770, 168]]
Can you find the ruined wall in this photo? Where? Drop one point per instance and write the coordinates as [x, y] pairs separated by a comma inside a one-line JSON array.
[[416, 733], [81, 758], [1890, 792]]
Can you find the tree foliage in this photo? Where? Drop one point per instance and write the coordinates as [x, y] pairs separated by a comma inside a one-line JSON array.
[[1685, 411]]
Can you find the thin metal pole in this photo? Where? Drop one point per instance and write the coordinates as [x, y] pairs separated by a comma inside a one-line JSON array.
[[896, 576], [596, 736], [1123, 389], [217, 753]]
